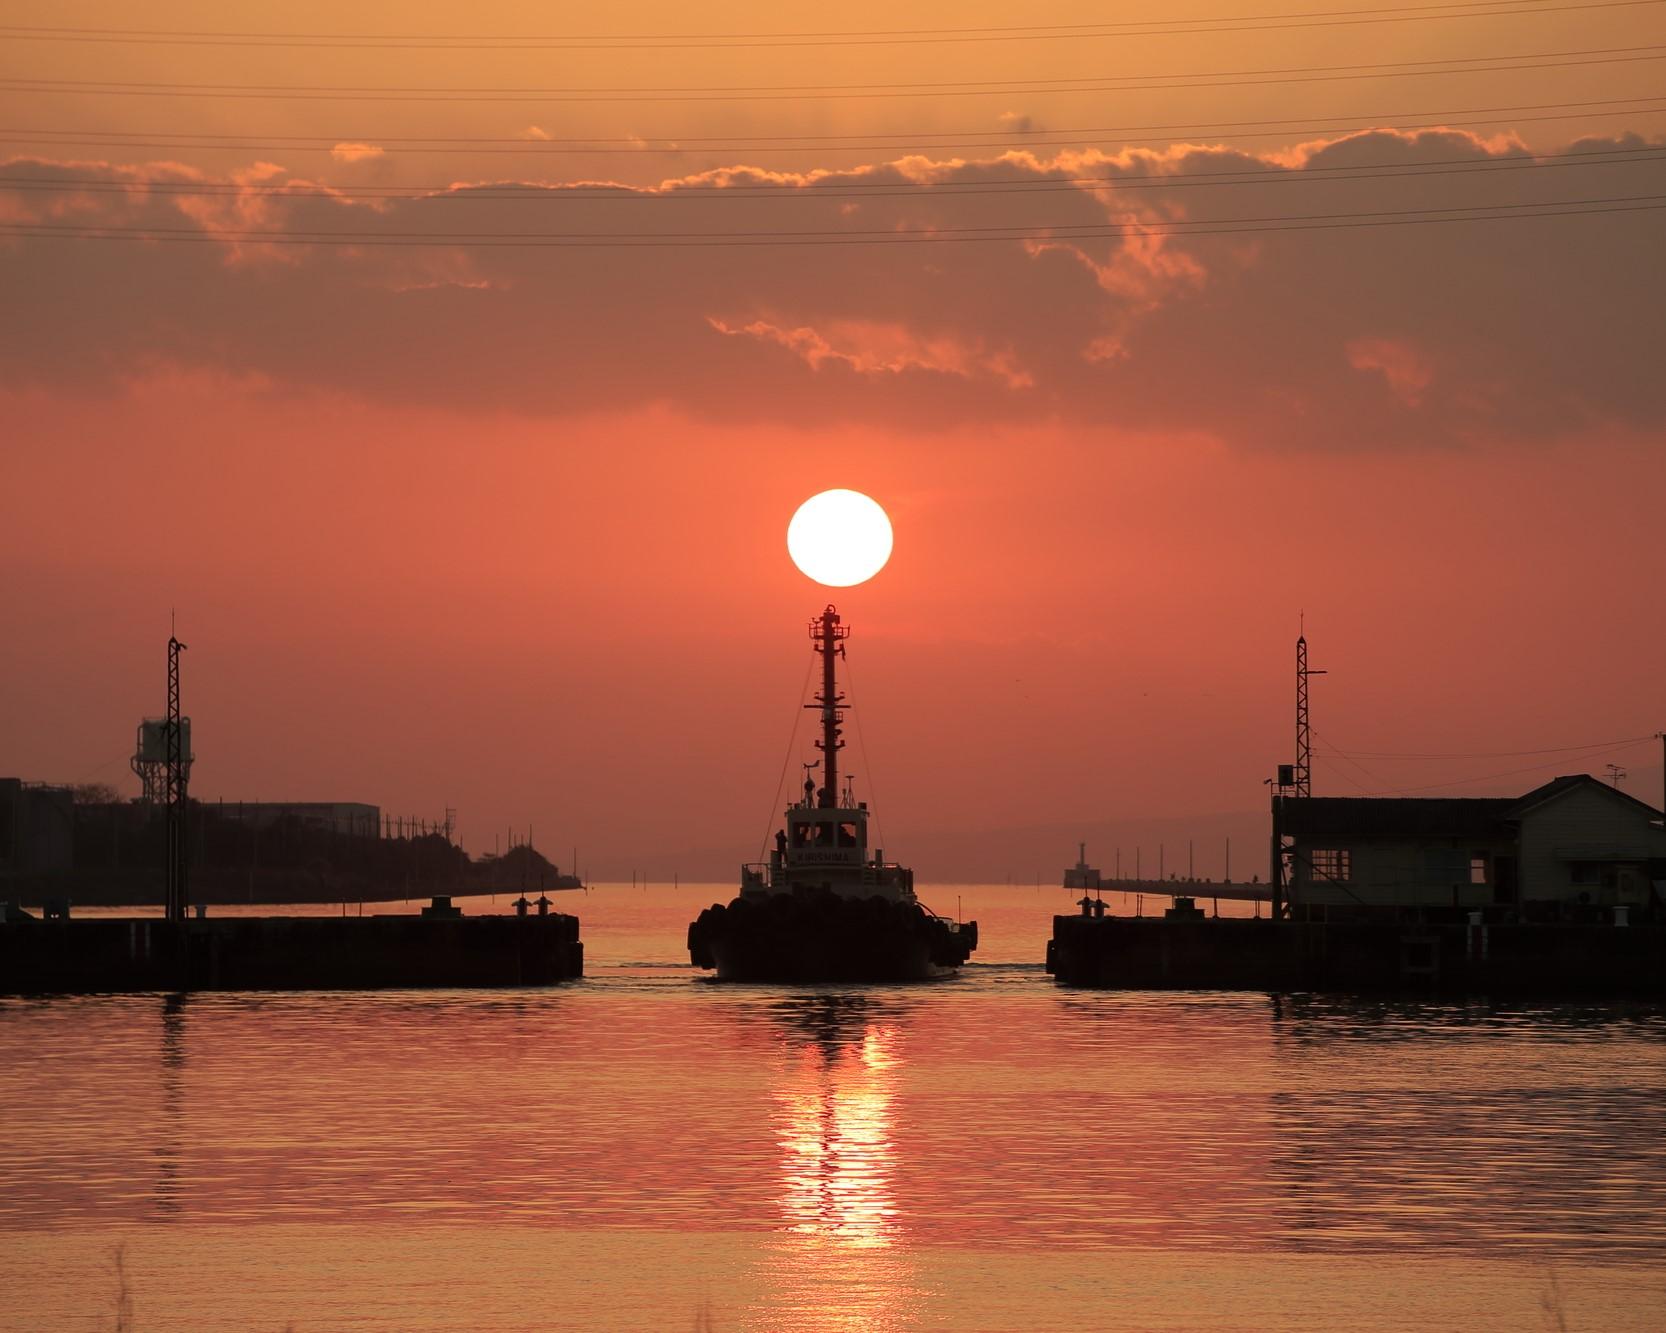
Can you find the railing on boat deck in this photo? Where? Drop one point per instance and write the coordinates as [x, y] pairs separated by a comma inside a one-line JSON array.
[[761, 874]]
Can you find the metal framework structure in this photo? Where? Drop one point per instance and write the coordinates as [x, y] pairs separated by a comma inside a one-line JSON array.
[[177, 778], [1293, 779], [152, 774], [1303, 775], [829, 637]]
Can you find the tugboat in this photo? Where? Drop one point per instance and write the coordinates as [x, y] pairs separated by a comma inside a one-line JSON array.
[[822, 908]]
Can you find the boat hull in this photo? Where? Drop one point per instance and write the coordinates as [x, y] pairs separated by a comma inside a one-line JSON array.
[[825, 938]]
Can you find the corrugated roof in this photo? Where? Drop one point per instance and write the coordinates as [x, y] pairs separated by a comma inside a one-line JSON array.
[[1471, 817], [1556, 786], [1467, 817]]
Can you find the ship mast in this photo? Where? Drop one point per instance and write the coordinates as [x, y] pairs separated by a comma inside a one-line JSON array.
[[829, 637]]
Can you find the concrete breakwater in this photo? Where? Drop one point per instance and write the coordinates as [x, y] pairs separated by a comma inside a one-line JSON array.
[[286, 953], [1152, 953]]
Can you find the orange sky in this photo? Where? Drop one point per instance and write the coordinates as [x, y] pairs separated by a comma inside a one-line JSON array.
[[501, 526]]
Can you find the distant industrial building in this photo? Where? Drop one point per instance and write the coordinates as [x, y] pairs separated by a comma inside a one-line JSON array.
[[37, 830], [61, 843], [1574, 843], [349, 817]]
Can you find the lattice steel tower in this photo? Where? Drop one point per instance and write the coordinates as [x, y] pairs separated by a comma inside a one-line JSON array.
[[1303, 774], [178, 772]]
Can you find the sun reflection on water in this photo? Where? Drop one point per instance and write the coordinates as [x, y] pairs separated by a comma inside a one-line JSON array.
[[838, 1154], [841, 1261]]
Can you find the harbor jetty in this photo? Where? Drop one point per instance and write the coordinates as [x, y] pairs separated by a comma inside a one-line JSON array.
[[1561, 890], [441, 947], [63, 846], [1202, 890], [1483, 952], [1558, 891]]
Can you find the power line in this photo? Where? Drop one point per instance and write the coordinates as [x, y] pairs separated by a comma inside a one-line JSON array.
[[853, 91], [1510, 772], [753, 142], [1493, 754], [786, 760], [1343, 773], [867, 761], [1178, 226], [540, 193], [873, 37], [709, 240], [537, 149], [1022, 137], [1352, 762]]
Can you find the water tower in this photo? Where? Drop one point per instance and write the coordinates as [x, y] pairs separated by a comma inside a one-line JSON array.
[[150, 756]]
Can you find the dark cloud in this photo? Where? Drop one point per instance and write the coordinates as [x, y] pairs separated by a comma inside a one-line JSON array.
[[1339, 336]]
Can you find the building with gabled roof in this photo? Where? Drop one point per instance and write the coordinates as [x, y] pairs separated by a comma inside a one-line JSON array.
[[1573, 842]]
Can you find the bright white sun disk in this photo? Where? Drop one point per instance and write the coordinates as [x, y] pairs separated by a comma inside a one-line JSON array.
[[839, 538]]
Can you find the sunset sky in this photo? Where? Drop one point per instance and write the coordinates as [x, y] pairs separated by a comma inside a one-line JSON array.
[[453, 375]]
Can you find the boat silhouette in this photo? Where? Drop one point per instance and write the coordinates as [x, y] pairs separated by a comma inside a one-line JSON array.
[[824, 908]]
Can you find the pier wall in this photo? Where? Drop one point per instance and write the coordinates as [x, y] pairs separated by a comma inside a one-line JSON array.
[[1153, 953], [287, 953]]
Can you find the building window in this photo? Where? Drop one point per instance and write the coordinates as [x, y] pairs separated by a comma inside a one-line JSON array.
[[1478, 868], [1447, 867], [1332, 863]]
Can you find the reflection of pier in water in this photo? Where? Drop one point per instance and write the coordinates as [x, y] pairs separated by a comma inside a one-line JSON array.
[[171, 1136], [1418, 1145]]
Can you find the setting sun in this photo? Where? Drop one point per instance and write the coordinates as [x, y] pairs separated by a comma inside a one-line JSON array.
[[526, 904], [839, 538]]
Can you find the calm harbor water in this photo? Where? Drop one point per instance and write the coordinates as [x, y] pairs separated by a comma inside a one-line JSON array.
[[647, 1149]]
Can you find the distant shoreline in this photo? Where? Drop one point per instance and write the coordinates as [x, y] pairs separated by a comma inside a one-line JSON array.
[[128, 895]]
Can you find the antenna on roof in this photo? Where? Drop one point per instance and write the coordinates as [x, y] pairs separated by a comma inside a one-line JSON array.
[[1615, 775]]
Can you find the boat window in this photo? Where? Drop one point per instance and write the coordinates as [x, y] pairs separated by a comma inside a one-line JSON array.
[[802, 834], [847, 834]]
